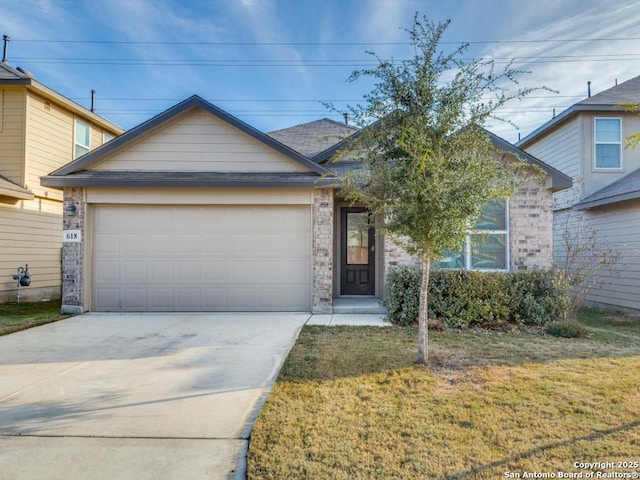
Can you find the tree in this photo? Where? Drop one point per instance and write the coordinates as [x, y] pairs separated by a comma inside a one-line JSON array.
[[633, 140], [428, 165]]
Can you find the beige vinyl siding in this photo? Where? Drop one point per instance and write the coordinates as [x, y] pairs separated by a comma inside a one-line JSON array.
[[618, 228], [33, 238], [198, 141], [49, 142], [12, 134]]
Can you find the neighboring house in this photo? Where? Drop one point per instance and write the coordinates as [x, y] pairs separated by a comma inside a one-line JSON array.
[[196, 210], [40, 130], [586, 142]]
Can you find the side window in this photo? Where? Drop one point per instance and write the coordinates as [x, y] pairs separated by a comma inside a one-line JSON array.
[[486, 246], [489, 238], [608, 143], [82, 139], [106, 137]]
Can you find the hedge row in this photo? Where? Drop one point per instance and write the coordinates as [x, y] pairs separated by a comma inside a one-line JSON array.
[[463, 298]]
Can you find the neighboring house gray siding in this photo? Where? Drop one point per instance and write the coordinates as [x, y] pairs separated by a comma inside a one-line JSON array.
[[615, 230], [603, 203], [561, 149]]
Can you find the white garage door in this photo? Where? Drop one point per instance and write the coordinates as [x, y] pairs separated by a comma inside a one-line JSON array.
[[201, 258]]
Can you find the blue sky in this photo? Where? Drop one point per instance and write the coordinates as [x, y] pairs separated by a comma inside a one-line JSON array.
[[272, 62]]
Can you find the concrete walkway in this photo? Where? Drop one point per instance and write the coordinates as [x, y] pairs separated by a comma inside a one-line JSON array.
[[362, 319]]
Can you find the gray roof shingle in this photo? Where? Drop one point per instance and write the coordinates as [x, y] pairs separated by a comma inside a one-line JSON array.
[[314, 137], [9, 74], [625, 92], [605, 101], [626, 188]]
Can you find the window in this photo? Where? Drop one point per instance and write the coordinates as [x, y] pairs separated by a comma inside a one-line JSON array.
[[487, 245], [358, 238], [608, 143], [83, 138], [106, 137]]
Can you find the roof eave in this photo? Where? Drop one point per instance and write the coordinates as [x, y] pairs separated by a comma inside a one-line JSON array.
[[71, 181], [18, 194], [602, 202], [568, 113]]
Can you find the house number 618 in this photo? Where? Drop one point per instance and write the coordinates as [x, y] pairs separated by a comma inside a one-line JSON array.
[[72, 236]]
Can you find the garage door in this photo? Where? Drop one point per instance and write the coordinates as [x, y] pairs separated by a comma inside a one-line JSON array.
[[201, 258]]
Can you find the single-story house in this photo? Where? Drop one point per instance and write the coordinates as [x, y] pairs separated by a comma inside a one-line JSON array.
[[196, 210]]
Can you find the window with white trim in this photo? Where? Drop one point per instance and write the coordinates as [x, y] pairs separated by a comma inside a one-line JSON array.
[[607, 133], [106, 137], [82, 138], [486, 246]]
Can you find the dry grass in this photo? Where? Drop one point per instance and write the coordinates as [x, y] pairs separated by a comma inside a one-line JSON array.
[[20, 316], [350, 404]]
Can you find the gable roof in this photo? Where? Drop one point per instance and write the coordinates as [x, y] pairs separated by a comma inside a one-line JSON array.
[[74, 173], [559, 180], [625, 188], [606, 101], [314, 137]]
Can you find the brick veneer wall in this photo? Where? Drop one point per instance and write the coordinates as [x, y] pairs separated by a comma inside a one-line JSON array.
[[73, 254], [531, 227], [322, 234]]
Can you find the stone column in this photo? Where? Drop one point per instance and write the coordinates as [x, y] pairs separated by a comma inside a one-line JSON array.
[[73, 253], [322, 234]]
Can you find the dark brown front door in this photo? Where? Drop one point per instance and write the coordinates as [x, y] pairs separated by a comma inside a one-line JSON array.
[[357, 273]]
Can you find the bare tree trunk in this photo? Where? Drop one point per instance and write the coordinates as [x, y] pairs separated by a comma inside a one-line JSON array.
[[423, 318]]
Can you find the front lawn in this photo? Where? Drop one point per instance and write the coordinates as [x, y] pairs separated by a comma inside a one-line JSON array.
[[20, 316], [350, 403]]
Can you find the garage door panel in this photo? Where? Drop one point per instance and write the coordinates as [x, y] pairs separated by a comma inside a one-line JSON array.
[[160, 299], [187, 298], [244, 244], [214, 272], [134, 272], [159, 244], [107, 271], [160, 271], [211, 258], [135, 299], [107, 298], [214, 298], [241, 273], [107, 244]]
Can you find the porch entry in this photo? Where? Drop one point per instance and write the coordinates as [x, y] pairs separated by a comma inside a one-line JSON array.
[[357, 271]]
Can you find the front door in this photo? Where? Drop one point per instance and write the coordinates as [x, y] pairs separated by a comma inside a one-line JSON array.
[[357, 275]]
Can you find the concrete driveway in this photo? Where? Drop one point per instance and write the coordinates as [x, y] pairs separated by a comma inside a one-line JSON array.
[[137, 396]]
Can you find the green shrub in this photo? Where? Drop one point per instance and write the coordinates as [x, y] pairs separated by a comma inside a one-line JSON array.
[[402, 294], [567, 329], [463, 298]]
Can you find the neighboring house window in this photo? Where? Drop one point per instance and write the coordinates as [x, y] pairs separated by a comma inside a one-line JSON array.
[[608, 143], [106, 137], [486, 246], [83, 138]]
